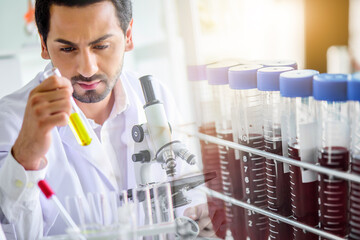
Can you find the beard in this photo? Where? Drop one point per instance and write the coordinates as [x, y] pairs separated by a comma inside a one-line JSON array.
[[92, 96]]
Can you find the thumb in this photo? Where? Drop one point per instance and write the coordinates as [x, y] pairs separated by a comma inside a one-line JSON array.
[[191, 213]]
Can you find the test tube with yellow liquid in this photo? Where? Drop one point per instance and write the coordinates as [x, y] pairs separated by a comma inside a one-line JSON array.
[[75, 122]]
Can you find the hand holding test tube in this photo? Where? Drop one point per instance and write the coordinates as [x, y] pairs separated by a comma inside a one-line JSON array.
[[75, 122], [48, 105]]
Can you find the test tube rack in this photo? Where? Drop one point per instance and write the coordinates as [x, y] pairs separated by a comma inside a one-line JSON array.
[[319, 169]]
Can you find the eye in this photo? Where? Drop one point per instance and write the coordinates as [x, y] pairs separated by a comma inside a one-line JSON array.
[[67, 49], [101, 46]]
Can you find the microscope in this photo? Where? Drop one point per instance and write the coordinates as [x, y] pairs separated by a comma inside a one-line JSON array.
[[154, 145], [153, 139]]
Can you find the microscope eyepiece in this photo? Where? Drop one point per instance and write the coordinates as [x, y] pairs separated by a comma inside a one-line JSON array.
[[147, 87]]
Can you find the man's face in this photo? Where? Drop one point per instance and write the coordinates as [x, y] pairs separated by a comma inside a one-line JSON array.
[[87, 45]]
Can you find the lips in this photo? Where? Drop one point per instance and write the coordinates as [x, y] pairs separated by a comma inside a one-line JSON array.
[[88, 86]]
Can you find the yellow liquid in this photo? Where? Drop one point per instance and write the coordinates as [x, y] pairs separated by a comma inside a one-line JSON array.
[[79, 130]]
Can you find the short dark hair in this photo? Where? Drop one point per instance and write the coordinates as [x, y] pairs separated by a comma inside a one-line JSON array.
[[42, 12]]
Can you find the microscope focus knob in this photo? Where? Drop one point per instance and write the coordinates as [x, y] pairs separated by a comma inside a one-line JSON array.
[[137, 133], [142, 156]]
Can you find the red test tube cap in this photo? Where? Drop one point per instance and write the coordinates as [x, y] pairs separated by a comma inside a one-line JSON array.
[[45, 188]]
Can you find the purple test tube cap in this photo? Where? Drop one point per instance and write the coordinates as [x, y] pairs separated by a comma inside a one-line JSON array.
[[268, 78], [243, 76], [217, 73]]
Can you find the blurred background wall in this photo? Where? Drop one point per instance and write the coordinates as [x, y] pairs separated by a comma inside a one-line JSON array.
[[171, 34]]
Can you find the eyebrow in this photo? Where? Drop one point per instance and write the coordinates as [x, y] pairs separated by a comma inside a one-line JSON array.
[[91, 43]]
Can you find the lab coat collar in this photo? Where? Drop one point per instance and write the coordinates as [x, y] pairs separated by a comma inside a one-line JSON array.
[[121, 102]]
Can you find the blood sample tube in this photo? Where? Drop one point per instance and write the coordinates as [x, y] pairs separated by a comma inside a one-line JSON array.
[[249, 132], [300, 126], [353, 90], [277, 173], [217, 75], [330, 93], [205, 118]]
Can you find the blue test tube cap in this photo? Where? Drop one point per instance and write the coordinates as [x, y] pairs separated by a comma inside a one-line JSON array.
[[243, 76], [297, 83], [353, 88], [268, 78], [330, 87]]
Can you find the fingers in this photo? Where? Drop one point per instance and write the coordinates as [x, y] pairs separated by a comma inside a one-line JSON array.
[[50, 96], [58, 119], [207, 234], [54, 83], [191, 213], [52, 114], [206, 228], [202, 211], [197, 212], [200, 214], [205, 223], [46, 109]]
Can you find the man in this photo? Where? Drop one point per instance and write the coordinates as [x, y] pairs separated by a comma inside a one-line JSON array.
[[86, 41]]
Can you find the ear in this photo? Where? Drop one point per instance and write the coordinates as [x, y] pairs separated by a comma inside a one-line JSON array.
[[129, 45], [44, 52]]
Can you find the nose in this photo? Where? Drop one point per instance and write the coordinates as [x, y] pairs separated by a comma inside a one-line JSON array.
[[87, 63]]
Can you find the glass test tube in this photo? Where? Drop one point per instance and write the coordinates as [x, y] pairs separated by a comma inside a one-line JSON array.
[[330, 92], [217, 75], [353, 90], [164, 212], [75, 122], [277, 173], [142, 198], [205, 120], [300, 125], [249, 132]]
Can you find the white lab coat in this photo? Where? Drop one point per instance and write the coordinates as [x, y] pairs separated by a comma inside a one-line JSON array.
[[72, 169], [2, 234]]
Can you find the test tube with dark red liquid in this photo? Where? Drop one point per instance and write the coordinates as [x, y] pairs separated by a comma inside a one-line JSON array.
[[217, 75], [249, 132], [300, 139], [277, 173], [330, 93], [205, 118], [353, 90]]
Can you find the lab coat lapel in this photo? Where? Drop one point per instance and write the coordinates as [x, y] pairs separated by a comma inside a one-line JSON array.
[[93, 153]]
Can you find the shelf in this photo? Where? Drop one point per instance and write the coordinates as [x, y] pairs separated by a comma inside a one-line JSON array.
[[316, 168], [313, 167]]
